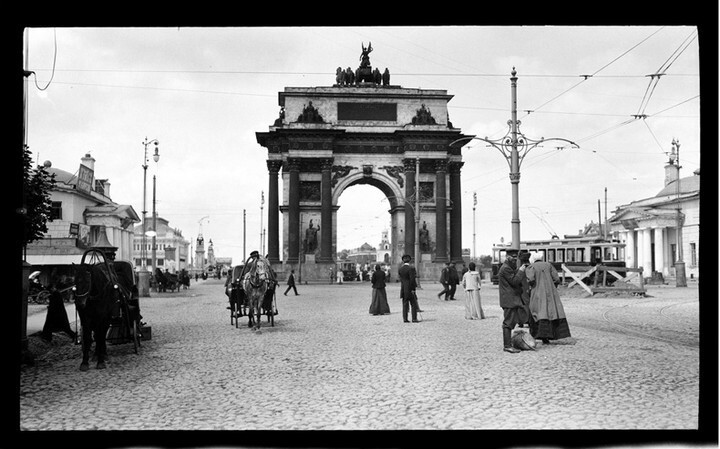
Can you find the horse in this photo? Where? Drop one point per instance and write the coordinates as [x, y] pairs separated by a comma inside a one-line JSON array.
[[256, 280], [97, 300]]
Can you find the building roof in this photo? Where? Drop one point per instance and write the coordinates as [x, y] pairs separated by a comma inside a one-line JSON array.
[[690, 184]]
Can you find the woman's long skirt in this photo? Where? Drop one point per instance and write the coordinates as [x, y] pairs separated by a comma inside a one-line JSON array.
[[379, 304], [473, 305]]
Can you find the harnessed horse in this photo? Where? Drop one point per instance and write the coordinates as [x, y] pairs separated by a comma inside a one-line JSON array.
[[96, 300], [255, 281]]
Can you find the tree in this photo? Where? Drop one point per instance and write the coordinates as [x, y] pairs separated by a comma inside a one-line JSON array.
[[485, 261], [36, 208]]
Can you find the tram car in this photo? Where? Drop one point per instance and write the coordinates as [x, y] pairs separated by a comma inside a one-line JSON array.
[[573, 252], [349, 271]]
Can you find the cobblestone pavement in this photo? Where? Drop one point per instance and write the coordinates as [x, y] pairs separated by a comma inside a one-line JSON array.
[[327, 364]]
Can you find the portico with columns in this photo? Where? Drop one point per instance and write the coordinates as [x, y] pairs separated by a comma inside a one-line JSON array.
[[649, 227]]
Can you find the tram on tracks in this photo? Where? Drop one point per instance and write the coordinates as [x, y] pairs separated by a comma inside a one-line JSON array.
[[573, 251]]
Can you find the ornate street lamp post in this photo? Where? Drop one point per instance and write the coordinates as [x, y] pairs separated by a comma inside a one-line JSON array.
[[153, 231], [514, 147], [144, 275]]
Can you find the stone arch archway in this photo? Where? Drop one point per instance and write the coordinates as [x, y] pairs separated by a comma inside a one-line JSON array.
[[330, 138]]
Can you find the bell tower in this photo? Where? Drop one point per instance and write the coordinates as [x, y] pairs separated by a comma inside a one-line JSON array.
[[200, 253]]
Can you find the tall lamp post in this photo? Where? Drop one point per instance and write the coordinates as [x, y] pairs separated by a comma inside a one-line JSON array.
[[144, 275], [153, 230], [514, 147], [680, 279], [474, 205]]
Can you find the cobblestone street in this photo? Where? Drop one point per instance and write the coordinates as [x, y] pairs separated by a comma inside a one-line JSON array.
[[327, 364]]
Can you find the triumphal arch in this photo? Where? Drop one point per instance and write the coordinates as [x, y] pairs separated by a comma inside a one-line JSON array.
[[363, 130]]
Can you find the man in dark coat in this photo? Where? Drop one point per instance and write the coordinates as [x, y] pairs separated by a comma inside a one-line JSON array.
[[291, 283], [510, 288], [444, 280], [408, 285], [453, 280]]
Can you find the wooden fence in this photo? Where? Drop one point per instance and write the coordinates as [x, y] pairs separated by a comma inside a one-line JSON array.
[[617, 283]]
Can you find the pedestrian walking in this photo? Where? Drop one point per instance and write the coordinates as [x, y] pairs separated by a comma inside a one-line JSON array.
[[444, 275], [471, 285], [549, 321], [291, 283], [379, 304], [408, 285], [510, 290], [453, 281]]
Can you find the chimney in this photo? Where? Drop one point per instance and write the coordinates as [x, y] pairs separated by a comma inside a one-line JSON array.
[[672, 169], [88, 161]]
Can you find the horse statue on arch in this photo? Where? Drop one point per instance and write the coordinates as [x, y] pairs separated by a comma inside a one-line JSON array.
[[97, 300], [257, 277]]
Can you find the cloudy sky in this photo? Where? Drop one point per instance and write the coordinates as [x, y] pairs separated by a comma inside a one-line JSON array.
[[622, 93]]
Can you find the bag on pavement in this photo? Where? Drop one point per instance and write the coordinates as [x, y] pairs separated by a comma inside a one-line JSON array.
[[523, 341]]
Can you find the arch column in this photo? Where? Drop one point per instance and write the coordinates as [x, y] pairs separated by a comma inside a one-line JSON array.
[[293, 166], [456, 211], [273, 211], [326, 254], [409, 168], [441, 253]]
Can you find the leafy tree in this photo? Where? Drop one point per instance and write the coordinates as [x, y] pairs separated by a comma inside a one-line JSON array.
[[36, 189], [485, 261]]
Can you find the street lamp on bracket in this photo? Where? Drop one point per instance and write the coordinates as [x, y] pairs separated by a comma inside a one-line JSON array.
[[143, 275], [514, 146]]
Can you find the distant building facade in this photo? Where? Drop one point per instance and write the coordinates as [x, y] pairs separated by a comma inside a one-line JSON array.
[[649, 227], [81, 209], [172, 250]]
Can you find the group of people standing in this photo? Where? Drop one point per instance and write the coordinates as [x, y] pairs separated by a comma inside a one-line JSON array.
[[528, 295], [408, 287]]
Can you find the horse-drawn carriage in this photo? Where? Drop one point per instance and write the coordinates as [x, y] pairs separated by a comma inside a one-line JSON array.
[[107, 301], [251, 291], [166, 281]]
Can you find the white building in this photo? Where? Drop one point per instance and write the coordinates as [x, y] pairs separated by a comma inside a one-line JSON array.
[[81, 208], [172, 250], [649, 227]]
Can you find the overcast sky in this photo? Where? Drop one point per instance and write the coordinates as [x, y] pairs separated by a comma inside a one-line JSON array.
[[205, 92]]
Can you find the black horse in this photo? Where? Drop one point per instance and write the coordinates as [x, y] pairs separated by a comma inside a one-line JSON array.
[[97, 300]]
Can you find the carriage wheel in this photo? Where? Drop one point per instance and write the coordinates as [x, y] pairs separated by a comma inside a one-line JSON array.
[[135, 335]]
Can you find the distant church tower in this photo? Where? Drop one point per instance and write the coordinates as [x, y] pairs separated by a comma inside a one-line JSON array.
[[200, 253], [384, 251], [211, 254]]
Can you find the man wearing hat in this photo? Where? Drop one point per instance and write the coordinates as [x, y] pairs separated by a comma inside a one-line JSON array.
[[408, 285], [510, 287]]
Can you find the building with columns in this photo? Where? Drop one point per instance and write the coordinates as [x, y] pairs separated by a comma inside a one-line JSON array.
[[649, 227], [396, 139]]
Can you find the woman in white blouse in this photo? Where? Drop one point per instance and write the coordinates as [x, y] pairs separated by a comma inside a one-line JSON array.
[[471, 284]]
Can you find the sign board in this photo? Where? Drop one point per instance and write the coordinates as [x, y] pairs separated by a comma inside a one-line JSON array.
[[74, 229], [367, 111], [85, 179]]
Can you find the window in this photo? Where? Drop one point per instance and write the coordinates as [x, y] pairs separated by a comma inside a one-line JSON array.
[[693, 255], [551, 255], [560, 255], [570, 255], [56, 210]]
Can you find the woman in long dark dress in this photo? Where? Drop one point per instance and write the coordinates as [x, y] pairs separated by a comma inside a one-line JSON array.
[[379, 304], [56, 319]]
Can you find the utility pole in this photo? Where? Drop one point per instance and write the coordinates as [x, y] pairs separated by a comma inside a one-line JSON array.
[[474, 205], [514, 147], [680, 280], [244, 235]]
